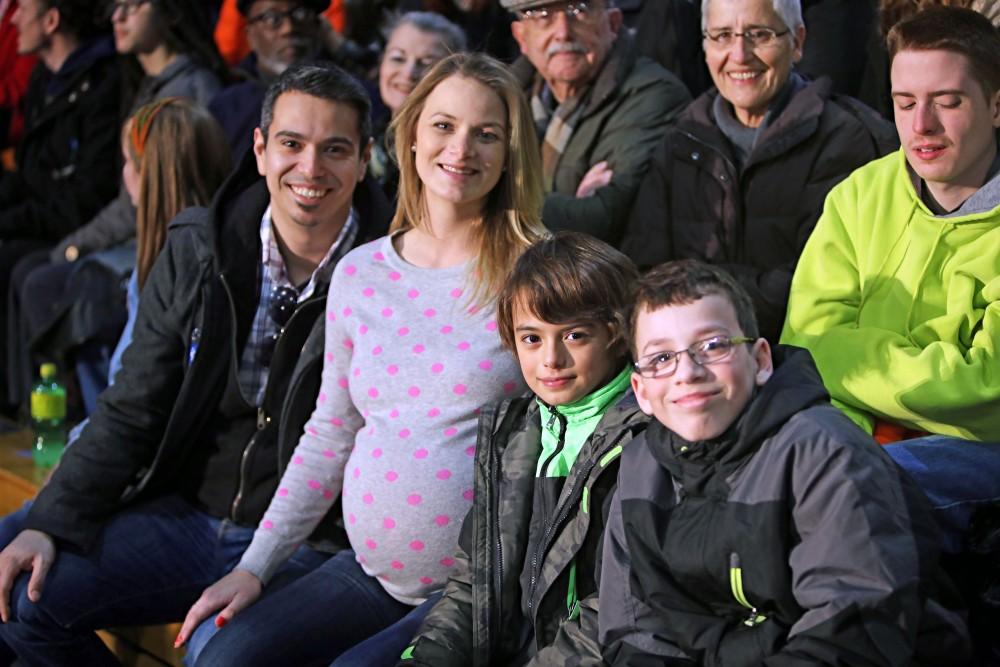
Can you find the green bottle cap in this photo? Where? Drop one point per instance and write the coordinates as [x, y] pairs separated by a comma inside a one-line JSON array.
[[48, 371]]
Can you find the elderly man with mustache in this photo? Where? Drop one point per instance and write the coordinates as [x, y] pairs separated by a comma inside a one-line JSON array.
[[600, 109]]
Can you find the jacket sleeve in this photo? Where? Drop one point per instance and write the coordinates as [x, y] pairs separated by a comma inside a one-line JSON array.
[[80, 195], [125, 430], [628, 628], [856, 570], [940, 378], [626, 142], [114, 224], [314, 478], [445, 636]]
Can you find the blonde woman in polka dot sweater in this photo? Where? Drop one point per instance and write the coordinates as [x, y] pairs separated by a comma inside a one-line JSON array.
[[412, 353]]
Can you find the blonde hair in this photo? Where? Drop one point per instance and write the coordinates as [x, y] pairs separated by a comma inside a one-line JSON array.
[[512, 213], [182, 157]]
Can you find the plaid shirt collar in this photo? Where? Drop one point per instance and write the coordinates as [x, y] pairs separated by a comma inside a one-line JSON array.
[[274, 263]]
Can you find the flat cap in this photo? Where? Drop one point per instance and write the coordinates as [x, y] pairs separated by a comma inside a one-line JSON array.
[[315, 5]]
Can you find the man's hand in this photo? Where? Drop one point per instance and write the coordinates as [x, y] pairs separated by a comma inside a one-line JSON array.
[[596, 177], [233, 593], [31, 550]]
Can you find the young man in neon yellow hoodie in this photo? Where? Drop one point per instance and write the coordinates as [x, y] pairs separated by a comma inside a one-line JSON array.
[[897, 294]]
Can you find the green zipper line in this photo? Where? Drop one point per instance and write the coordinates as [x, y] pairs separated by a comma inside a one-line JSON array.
[[610, 456], [572, 602], [736, 583]]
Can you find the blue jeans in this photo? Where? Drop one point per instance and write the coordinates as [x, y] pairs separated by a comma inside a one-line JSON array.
[[149, 565], [958, 476], [336, 612]]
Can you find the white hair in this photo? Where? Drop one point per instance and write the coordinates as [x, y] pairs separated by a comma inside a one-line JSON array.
[[790, 12]]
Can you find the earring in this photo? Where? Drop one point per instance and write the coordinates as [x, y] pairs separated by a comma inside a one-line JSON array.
[[413, 148]]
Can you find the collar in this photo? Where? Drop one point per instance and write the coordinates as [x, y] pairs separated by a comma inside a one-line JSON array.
[[274, 262], [588, 407]]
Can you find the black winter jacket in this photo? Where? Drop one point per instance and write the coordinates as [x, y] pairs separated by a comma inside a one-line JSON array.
[[67, 161], [480, 619], [194, 317], [793, 539], [754, 220]]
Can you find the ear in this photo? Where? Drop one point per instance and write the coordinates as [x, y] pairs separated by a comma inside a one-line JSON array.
[[995, 108], [366, 156], [259, 147], [517, 31], [639, 389], [615, 20], [51, 21], [761, 354], [798, 43]]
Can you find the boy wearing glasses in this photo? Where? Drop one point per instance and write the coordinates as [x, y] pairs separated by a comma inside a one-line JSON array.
[[753, 522]]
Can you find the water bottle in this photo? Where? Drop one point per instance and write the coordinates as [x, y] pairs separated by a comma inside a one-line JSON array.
[[48, 416]]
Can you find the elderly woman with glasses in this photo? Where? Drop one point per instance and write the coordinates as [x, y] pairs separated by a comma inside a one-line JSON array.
[[752, 159]]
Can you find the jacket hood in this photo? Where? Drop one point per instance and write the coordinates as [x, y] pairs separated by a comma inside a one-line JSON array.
[[701, 467]]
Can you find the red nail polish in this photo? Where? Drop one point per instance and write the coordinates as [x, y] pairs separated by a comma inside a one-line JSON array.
[[220, 621]]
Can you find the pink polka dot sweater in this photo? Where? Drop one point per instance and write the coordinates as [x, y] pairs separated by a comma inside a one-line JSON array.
[[409, 362]]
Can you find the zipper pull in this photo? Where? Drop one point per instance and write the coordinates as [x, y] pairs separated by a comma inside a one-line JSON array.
[[262, 419], [552, 419]]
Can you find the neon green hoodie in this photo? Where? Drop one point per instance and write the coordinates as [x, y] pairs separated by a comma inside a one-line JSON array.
[[901, 308]]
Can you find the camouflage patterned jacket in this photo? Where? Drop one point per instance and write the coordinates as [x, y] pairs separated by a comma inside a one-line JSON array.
[[487, 615]]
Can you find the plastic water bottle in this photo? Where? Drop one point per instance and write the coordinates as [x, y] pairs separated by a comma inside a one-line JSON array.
[[48, 416]]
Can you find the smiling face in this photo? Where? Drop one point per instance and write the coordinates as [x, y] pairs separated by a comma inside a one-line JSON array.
[[409, 53], [290, 42], [562, 363], [568, 52], [697, 402], [139, 32], [461, 144], [945, 122], [750, 77], [312, 160]]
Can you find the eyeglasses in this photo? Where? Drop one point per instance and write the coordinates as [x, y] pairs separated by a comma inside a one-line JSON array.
[[758, 37], [544, 16], [273, 19], [284, 300], [128, 8], [704, 352]]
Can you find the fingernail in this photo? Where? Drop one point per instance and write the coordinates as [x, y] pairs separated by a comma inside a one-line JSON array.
[[178, 642], [220, 621]]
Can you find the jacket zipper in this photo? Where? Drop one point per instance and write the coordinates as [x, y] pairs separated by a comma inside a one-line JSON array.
[[547, 537], [560, 444], [263, 419], [736, 584]]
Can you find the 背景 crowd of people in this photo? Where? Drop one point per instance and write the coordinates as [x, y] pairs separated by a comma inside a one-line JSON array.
[[469, 332]]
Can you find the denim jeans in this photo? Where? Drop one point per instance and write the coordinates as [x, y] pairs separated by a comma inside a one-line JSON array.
[[958, 476], [335, 613], [149, 565]]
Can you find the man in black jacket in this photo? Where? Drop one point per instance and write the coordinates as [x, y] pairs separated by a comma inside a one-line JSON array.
[[160, 495], [66, 162]]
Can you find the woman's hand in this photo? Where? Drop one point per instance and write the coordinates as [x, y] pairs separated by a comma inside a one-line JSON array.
[[232, 594]]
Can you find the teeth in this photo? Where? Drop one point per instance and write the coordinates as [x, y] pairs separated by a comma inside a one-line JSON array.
[[743, 76], [456, 170], [308, 192]]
